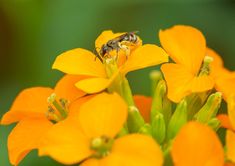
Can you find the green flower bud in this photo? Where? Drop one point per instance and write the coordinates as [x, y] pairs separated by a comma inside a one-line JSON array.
[[134, 121], [166, 109], [178, 119], [157, 103], [146, 129], [155, 76], [210, 109], [195, 101], [159, 128], [214, 123]]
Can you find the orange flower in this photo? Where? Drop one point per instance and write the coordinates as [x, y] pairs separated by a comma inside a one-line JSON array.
[[224, 79], [229, 123], [82, 62], [29, 109], [197, 145], [90, 137], [187, 48]]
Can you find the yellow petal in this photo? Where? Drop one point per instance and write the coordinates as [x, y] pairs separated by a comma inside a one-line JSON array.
[[231, 110], [65, 143], [79, 62], [92, 162], [31, 102], [230, 144], [217, 59], [65, 88], [178, 80], [202, 83], [197, 145], [226, 86], [95, 85], [74, 107], [186, 45], [145, 56], [134, 150], [104, 114], [25, 137], [143, 103]]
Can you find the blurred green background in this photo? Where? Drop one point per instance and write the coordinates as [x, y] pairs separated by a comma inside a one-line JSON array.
[[34, 32]]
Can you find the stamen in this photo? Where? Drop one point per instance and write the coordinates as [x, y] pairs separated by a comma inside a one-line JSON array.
[[51, 115], [205, 69], [60, 107]]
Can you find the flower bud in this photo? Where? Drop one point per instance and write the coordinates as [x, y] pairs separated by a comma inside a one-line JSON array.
[[158, 96], [135, 121], [158, 128], [210, 109], [195, 101], [155, 77], [214, 123], [178, 119], [146, 129]]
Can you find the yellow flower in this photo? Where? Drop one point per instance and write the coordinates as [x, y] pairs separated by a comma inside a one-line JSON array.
[[187, 48], [30, 109], [90, 138], [82, 62], [197, 145]]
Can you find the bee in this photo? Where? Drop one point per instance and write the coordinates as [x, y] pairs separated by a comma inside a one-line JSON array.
[[120, 42]]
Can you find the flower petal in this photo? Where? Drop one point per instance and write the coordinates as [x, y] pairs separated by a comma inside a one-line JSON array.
[[74, 107], [143, 103], [134, 150], [202, 83], [197, 144], [66, 88], [79, 62], [31, 102], [217, 59], [225, 122], [230, 144], [104, 114], [186, 45], [178, 80], [95, 85], [145, 56], [23, 137], [92, 162], [181, 82], [65, 143], [226, 86], [231, 110]]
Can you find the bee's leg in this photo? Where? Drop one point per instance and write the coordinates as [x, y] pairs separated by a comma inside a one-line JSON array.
[[98, 56]]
